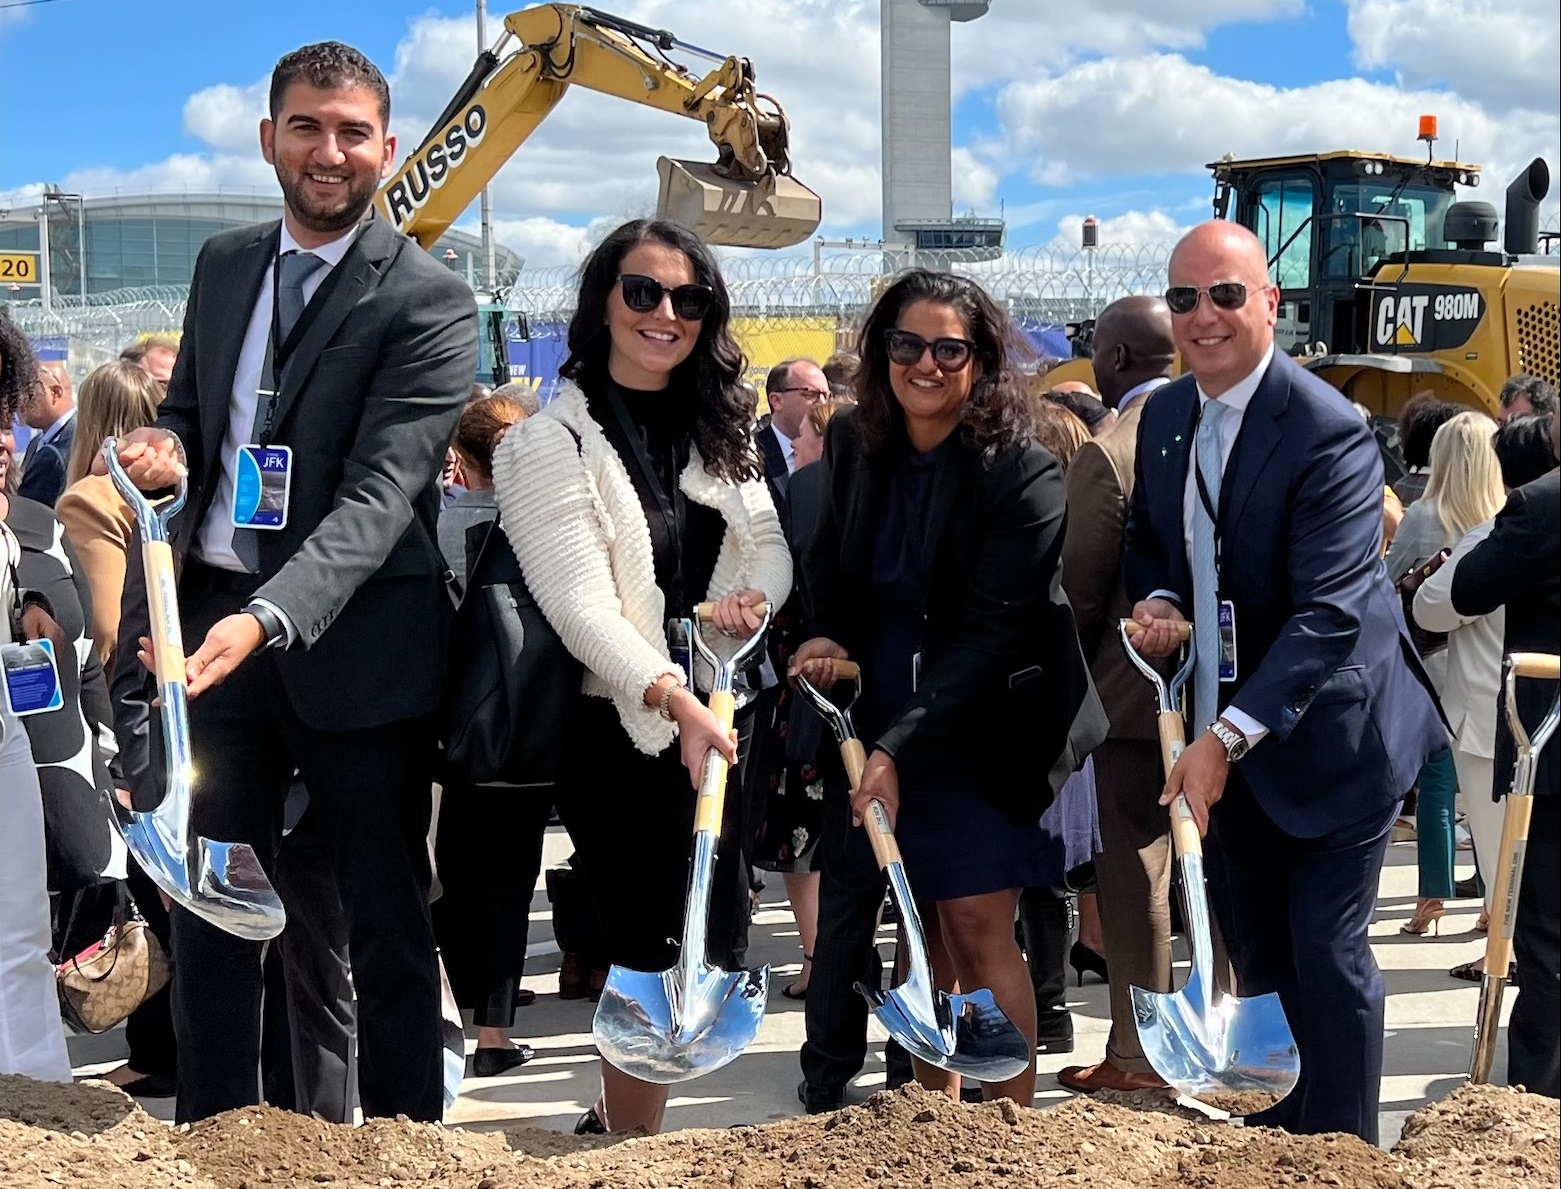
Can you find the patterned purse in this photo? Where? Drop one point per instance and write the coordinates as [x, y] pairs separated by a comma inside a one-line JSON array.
[[109, 979]]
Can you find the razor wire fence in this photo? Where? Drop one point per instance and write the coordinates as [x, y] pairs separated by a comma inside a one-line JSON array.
[[783, 305]]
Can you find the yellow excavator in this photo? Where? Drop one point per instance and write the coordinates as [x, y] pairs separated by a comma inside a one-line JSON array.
[[1389, 286], [745, 198]]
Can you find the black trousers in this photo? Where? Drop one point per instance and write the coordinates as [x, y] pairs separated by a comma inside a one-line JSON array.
[[309, 1052], [371, 789], [1294, 912], [488, 852], [851, 890], [1534, 1034]]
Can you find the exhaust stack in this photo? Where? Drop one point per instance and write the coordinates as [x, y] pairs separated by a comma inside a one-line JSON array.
[[1520, 228]]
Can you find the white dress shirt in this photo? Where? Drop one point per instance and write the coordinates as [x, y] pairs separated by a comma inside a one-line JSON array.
[[214, 539], [1236, 400], [1138, 390]]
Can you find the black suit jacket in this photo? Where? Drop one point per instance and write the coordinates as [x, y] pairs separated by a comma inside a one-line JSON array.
[[1004, 686], [774, 458], [1519, 566], [43, 474], [368, 403], [1323, 657]]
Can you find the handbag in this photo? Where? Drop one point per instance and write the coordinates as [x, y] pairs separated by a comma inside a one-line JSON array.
[[1426, 643], [512, 684], [109, 979]]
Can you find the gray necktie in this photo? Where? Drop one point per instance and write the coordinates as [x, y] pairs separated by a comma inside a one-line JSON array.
[[1205, 601], [293, 268]]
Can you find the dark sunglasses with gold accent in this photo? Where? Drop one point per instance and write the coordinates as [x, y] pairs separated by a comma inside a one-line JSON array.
[[1226, 295], [644, 294], [907, 348]]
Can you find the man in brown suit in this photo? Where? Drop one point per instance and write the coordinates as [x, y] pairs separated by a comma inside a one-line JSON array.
[[1133, 356]]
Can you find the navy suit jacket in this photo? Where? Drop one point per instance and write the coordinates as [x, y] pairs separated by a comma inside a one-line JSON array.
[[1323, 657], [43, 475]]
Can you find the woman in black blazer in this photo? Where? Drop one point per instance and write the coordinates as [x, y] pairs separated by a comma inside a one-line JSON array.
[[935, 565]]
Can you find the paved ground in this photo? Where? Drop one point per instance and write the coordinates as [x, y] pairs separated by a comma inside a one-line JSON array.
[[1429, 1018]]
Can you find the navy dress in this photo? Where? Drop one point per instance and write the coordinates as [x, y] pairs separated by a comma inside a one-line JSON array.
[[954, 840]]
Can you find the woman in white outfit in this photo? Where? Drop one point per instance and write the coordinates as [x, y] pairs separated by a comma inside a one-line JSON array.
[[1471, 690]]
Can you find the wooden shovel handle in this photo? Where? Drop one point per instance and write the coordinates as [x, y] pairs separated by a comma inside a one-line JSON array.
[[163, 611], [1509, 871], [705, 612], [712, 782], [1133, 628], [879, 834], [1184, 829], [1533, 664]]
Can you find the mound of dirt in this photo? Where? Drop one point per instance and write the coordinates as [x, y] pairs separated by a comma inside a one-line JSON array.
[[90, 1135]]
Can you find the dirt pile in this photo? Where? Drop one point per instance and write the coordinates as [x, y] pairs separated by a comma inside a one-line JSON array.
[[91, 1135]]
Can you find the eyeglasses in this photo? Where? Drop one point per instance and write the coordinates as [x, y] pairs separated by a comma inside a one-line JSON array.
[[812, 394], [644, 294], [1226, 295], [907, 348]]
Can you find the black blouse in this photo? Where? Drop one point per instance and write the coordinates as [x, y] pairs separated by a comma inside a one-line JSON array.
[[662, 425]]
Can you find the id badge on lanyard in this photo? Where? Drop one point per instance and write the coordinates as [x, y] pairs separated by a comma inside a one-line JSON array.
[[1227, 608]]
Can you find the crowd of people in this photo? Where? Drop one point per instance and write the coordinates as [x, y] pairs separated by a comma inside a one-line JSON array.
[[919, 504]]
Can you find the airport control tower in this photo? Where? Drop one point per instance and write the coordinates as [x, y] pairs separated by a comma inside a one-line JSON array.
[[918, 202]]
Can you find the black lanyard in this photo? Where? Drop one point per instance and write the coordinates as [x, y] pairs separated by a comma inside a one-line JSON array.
[[1215, 515], [280, 350], [673, 511]]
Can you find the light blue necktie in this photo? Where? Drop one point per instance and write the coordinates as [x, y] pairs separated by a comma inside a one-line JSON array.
[[1205, 584]]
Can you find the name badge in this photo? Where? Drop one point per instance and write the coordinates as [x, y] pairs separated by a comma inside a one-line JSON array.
[[263, 486], [32, 679], [1227, 640]]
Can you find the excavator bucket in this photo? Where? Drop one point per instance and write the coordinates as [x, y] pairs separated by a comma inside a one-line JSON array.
[[777, 211]]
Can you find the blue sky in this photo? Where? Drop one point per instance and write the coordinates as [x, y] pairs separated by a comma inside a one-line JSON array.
[[1060, 111]]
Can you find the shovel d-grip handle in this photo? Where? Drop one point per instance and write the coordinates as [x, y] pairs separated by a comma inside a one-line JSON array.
[[1536, 664], [712, 778], [1182, 628]]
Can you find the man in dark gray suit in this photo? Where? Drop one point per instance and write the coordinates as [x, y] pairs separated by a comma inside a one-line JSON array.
[[335, 338]]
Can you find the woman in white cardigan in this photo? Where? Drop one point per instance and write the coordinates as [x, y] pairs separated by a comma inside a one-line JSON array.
[[635, 494]]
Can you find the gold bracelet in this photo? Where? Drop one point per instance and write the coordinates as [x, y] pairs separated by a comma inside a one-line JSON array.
[[664, 706]]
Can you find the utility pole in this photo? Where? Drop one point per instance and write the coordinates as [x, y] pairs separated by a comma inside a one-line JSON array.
[[488, 253]]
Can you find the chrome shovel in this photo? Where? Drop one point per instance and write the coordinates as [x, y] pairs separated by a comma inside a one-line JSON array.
[[1514, 843], [1198, 1039], [967, 1034], [682, 1023], [220, 882]]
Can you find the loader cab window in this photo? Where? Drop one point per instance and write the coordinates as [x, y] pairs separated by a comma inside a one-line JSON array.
[[1280, 207], [1357, 246]]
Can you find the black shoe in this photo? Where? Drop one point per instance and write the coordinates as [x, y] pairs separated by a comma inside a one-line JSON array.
[[492, 1063], [590, 1124], [1468, 889], [1082, 958], [1054, 1032], [152, 1085], [896, 1065], [817, 1100], [970, 1093]]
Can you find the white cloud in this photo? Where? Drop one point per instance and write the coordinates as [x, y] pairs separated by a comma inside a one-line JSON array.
[[1129, 229], [975, 182], [1164, 114], [228, 117], [1500, 52]]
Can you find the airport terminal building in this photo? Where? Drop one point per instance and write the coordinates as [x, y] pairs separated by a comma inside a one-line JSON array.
[[131, 242]]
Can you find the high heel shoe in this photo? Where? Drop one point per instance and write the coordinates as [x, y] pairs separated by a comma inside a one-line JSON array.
[[792, 991], [1428, 916], [1082, 958]]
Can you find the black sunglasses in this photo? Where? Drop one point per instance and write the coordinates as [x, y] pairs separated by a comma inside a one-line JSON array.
[[907, 348], [1226, 295], [644, 294]]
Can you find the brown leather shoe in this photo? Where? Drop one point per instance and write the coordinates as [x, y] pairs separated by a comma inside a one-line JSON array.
[[574, 978], [1086, 1079]]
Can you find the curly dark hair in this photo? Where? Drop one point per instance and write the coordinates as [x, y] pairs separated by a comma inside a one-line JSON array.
[[18, 367], [1522, 448], [712, 373], [997, 416], [329, 66], [1418, 422]]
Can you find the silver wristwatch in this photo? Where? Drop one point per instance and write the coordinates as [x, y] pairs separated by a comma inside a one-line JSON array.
[[1235, 742]]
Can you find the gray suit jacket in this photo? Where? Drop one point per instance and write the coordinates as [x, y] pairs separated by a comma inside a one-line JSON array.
[[368, 403]]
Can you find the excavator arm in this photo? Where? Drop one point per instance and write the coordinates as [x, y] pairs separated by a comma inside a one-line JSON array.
[[746, 198]]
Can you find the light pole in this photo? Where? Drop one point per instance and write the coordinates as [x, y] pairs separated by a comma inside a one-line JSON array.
[[487, 197], [53, 193]]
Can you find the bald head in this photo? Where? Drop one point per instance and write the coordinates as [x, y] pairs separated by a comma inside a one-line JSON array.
[[1221, 342], [1073, 386], [1133, 345]]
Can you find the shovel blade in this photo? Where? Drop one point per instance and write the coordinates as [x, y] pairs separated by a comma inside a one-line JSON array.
[[674, 1026], [964, 1034], [1232, 1045], [228, 888]]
